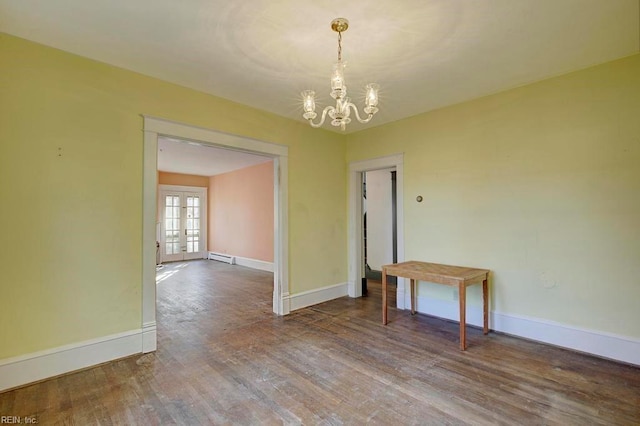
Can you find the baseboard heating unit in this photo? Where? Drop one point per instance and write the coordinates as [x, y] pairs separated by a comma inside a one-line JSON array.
[[220, 257]]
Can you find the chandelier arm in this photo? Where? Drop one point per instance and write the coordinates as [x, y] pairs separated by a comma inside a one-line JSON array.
[[324, 115], [355, 109]]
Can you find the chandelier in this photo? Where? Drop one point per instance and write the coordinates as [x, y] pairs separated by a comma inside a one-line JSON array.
[[340, 113]]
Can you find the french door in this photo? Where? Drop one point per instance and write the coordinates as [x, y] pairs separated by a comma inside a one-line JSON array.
[[182, 223]]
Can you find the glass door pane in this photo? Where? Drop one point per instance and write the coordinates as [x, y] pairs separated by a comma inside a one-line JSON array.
[[192, 226], [172, 224]]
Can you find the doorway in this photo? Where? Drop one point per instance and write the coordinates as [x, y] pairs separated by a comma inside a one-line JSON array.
[[155, 127], [182, 223], [379, 211], [356, 217]]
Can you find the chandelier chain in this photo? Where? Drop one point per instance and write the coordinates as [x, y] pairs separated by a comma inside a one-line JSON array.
[[339, 46]]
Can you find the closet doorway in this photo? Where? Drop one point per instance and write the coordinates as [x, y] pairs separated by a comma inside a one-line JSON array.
[[379, 223], [356, 219]]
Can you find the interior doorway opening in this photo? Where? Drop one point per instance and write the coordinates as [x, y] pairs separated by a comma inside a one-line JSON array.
[[356, 219], [215, 203], [379, 223], [157, 127]]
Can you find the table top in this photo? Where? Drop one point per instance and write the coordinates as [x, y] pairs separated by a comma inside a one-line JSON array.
[[436, 273]]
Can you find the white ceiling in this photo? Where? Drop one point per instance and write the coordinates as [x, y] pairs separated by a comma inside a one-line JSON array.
[[425, 54], [178, 156]]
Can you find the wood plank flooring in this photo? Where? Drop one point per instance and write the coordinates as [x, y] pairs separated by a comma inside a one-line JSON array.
[[224, 358]]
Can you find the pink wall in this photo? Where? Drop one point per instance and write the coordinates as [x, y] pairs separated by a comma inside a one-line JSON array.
[[241, 212]]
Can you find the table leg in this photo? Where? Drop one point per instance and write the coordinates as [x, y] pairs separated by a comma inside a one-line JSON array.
[[485, 305], [384, 296], [462, 296], [413, 296]]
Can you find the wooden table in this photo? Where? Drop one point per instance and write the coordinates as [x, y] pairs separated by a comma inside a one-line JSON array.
[[455, 276]]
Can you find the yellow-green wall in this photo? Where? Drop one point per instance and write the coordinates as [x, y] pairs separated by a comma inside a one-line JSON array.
[[540, 184], [71, 188]]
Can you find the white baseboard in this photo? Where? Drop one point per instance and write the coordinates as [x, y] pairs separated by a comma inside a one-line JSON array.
[[254, 263], [607, 345], [41, 365], [320, 295]]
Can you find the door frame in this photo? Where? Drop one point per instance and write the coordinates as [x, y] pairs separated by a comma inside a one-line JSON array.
[[154, 127], [355, 225], [200, 191]]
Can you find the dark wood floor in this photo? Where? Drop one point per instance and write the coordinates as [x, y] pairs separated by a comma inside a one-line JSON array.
[[224, 358]]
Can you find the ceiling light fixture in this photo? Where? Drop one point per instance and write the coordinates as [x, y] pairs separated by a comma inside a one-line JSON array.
[[340, 113]]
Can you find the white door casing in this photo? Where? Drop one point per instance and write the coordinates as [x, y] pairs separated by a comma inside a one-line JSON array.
[[354, 226]]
